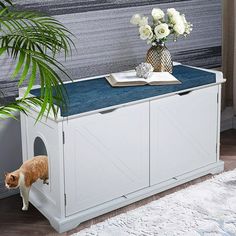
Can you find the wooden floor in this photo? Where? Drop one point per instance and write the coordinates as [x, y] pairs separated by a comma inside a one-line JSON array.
[[14, 222]]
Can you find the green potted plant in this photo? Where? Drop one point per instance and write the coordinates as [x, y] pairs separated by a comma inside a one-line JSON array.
[[33, 40]]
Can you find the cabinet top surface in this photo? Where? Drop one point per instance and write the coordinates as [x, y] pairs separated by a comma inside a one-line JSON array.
[[95, 94]]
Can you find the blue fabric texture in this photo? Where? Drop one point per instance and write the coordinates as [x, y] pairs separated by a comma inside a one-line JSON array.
[[90, 95]]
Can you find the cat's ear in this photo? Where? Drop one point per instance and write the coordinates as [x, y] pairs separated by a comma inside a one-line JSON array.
[[13, 177], [5, 174]]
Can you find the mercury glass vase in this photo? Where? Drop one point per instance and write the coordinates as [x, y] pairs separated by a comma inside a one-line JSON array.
[[160, 58]]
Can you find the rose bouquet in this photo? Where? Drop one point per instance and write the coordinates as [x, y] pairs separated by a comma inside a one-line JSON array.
[[173, 23]]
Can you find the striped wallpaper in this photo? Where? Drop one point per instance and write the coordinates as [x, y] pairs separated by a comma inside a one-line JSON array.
[[107, 42]]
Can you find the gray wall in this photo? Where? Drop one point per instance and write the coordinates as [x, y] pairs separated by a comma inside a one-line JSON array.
[[10, 151], [107, 42]]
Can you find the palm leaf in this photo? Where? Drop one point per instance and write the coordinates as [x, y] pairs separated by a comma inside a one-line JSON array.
[[5, 3], [34, 40], [22, 105]]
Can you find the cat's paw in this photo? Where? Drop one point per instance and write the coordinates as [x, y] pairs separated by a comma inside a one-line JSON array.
[[46, 181], [25, 208]]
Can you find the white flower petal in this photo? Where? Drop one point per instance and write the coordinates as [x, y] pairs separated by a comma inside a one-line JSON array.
[[143, 21], [172, 12], [162, 31], [157, 14], [179, 27], [145, 32], [135, 19]]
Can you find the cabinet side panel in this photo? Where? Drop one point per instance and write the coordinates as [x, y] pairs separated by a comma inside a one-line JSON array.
[[43, 138]]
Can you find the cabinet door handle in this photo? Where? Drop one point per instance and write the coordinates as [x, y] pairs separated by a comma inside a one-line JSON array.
[[184, 93], [107, 111]]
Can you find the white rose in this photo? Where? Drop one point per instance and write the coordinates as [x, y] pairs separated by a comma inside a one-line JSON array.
[[135, 19], [143, 21], [172, 12], [162, 31], [145, 32], [157, 14], [179, 27], [175, 19]]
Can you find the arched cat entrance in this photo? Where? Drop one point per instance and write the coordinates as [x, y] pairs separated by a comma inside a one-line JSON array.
[[41, 150], [39, 147]]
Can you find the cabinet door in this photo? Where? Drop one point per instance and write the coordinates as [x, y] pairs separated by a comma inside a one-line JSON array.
[[43, 138], [106, 156], [183, 133]]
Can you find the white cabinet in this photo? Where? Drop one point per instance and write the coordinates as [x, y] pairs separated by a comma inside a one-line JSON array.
[[103, 159], [183, 133], [106, 156]]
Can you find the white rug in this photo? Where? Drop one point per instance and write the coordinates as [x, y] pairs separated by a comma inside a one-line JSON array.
[[205, 209]]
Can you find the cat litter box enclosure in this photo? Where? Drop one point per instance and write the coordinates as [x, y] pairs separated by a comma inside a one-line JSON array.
[[115, 146]]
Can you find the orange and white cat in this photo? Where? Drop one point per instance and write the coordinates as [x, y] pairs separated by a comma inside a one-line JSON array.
[[30, 171]]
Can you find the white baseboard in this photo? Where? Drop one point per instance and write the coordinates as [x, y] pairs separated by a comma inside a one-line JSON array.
[[4, 192]]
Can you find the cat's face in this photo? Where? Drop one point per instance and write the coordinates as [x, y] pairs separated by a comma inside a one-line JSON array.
[[11, 180]]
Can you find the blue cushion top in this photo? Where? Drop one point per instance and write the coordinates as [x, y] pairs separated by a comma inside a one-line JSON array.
[[90, 95]]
